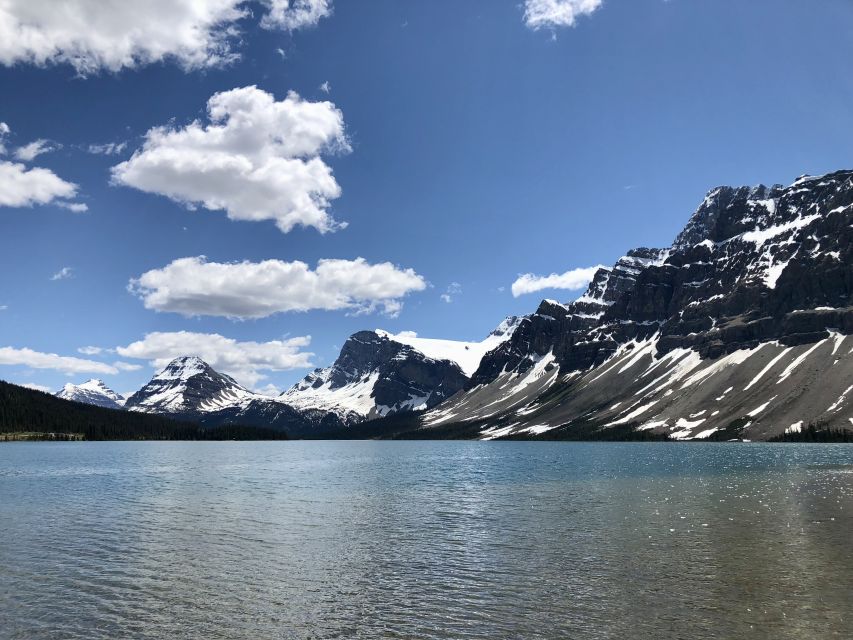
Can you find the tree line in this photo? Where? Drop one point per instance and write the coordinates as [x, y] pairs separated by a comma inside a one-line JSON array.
[[25, 411]]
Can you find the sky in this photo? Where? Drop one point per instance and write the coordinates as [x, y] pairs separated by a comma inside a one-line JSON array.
[[252, 182]]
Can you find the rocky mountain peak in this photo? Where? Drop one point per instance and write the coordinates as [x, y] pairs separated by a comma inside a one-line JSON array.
[[184, 367], [747, 256], [92, 391], [186, 386], [375, 375]]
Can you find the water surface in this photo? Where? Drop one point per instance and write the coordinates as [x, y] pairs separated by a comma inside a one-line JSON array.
[[425, 540]]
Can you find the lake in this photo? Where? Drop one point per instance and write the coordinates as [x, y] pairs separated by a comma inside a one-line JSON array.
[[257, 540]]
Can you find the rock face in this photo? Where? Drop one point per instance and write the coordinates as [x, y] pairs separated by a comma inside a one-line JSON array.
[[374, 376], [92, 392], [758, 282], [186, 387]]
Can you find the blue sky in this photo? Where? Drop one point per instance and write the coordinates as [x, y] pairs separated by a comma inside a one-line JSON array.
[[471, 148]]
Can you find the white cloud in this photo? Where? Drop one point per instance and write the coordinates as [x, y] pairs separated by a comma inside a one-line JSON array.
[[92, 35], [3, 307], [193, 287], [75, 207], [66, 364], [22, 187], [454, 288], [36, 387], [108, 148], [63, 274], [91, 351], [4, 131], [295, 14], [95, 35], [539, 14], [31, 151], [269, 390], [571, 280], [245, 361], [257, 159]]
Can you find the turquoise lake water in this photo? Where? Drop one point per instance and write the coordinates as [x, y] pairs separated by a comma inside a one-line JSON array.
[[270, 540]]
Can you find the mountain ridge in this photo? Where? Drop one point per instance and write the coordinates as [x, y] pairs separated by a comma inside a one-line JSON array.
[[737, 328], [757, 271]]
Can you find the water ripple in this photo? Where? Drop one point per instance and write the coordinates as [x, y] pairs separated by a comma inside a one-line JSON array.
[[424, 540]]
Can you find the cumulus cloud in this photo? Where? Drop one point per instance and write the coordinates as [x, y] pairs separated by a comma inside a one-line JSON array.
[[256, 159], [66, 364], [194, 287], [245, 361], [31, 151], [22, 187], [571, 280], [539, 14], [94, 35], [63, 274]]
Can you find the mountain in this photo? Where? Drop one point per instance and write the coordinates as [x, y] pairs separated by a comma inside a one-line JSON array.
[[739, 329], [188, 386], [92, 392], [379, 374], [376, 374], [26, 414], [190, 389]]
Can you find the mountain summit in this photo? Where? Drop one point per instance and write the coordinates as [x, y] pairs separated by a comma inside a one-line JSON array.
[[381, 374], [188, 386], [92, 392]]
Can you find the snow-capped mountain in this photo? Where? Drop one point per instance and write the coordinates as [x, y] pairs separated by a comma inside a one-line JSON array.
[[189, 388], [380, 374], [738, 329], [92, 392], [188, 385], [376, 374]]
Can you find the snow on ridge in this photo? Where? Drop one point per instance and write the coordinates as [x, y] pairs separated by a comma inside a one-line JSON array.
[[466, 354], [316, 391], [761, 236], [355, 397], [182, 368], [91, 392]]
